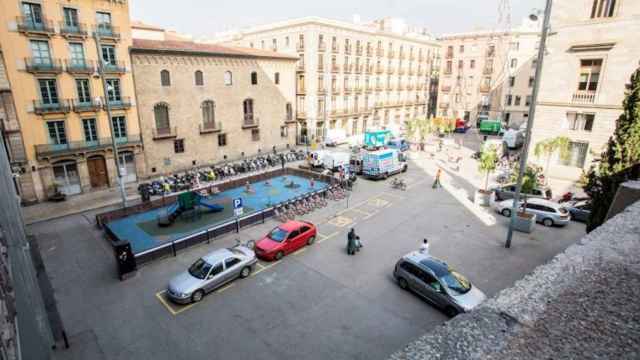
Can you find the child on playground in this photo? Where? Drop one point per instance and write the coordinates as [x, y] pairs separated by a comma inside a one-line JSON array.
[[248, 188]]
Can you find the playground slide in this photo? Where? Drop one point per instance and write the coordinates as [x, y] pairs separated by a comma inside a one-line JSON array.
[[212, 207]]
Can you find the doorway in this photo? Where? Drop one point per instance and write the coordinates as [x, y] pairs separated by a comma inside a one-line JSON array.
[[97, 172], [127, 164], [66, 177]]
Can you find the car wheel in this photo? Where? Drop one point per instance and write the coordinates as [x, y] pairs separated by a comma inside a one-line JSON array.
[[403, 283], [547, 222], [246, 271], [279, 255], [197, 296], [506, 212], [311, 240], [450, 311]]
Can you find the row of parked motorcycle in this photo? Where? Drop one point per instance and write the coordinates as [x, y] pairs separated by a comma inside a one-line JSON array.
[[191, 179]]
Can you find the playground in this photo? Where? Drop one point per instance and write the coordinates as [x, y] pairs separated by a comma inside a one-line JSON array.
[[194, 212]]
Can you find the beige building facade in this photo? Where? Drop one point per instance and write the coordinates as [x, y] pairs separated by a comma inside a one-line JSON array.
[[488, 72], [51, 59], [592, 52], [353, 76], [201, 104]]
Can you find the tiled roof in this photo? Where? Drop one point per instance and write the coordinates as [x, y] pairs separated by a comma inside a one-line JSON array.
[[206, 49]]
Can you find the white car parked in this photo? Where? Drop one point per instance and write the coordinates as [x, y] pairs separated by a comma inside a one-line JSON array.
[[547, 212]]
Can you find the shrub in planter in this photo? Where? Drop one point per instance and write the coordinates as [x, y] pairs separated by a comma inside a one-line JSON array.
[[486, 165]]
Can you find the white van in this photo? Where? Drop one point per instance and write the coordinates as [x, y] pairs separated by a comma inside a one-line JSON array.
[[335, 137], [334, 160]]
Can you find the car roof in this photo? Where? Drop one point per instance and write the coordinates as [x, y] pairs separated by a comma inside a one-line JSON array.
[[291, 225], [437, 266], [544, 202], [217, 256]]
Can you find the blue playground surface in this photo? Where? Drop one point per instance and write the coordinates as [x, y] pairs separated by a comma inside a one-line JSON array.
[[143, 232]]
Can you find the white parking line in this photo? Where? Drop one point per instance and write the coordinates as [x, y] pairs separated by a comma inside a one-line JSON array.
[[225, 288]]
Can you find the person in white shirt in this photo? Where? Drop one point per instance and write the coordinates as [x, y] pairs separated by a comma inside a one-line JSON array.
[[424, 248]]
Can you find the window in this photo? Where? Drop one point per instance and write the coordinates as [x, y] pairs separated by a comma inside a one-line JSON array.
[[460, 64], [287, 42], [77, 54], [178, 147], [449, 68], [228, 78], [82, 87], [222, 139], [531, 81], [89, 127], [255, 134], [589, 74], [274, 44], [254, 78], [57, 133], [113, 90], [40, 52], [48, 91], [603, 8], [103, 20], [119, 126], [461, 49], [508, 100], [70, 18], [165, 78], [284, 131], [472, 64], [217, 269], [580, 121], [199, 78], [514, 63], [161, 115], [527, 101], [514, 46], [262, 44], [32, 14], [276, 78], [208, 113], [230, 262], [577, 155], [518, 100], [512, 81], [289, 111], [293, 234], [109, 54], [534, 63]]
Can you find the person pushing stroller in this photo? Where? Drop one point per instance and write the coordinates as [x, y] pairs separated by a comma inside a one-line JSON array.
[[353, 242]]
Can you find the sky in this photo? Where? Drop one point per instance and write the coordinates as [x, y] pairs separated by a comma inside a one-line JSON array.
[[203, 18]]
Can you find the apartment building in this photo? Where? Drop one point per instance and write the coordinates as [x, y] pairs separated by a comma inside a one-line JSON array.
[[591, 53], [489, 72], [59, 134], [352, 76], [205, 103]]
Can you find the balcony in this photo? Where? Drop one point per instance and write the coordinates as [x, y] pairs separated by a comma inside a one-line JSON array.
[[369, 52], [123, 103], [347, 50], [320, 67], [391, 54], [43, 65], [379, 70], [210, 127], [401, 87], [379, 87], [322, 47], [485, 88], [412, 57], [358, 89], [369, 69], [289, 119], [359, 51], [490, 53], [380, 52], [401, 71], [335, 69], [389, 87], [85, 106], [487, 71], [59, 107], [76, 30], [390, 70], [445, 88], [27, 26], [449, 55], [300, 47], [335, 90], [107, 32], [300, 90], [410, 87], [447, 72], [114, 68], [583, 97], [80, 67], [443, 105], [347, 89], [250, 122], [322, 91], [358, 69], [165, 133], [420, 72], [402, 56], [411, 72], [49, 150]]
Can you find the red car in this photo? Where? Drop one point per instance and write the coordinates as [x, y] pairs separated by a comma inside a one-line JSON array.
[[285, 239]]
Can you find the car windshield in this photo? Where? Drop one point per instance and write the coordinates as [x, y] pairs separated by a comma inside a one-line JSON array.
[[277, 234], [199, 269], [456, 282]]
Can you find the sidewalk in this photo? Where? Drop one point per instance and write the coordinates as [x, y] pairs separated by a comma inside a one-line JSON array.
[[77, 204]]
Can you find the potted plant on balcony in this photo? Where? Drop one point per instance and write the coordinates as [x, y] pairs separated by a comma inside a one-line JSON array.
[[487, 164], [524, 221]]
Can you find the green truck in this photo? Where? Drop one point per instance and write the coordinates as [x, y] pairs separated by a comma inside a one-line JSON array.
[[490, 126]]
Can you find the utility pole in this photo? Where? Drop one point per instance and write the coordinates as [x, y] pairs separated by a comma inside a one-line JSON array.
[[114, 145], [532, 113]]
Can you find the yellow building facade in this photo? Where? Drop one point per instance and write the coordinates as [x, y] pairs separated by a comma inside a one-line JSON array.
[[51, 61]]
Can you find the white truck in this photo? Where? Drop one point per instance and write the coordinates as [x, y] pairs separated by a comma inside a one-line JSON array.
[[381, 164], [315, 158], [335, 137], [334, 160]]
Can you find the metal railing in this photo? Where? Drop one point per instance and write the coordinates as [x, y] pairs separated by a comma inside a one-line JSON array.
[[250, 121], [86, 106], [80, 67], [61, 106], [165, 133], [43, 65], [584, 97], [44, 150], [322, 47], [72, 30], [26, 24], [114, 68], [123, 103], [107, 31]]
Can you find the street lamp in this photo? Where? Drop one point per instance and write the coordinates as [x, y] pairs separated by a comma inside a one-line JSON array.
[[532, 111]]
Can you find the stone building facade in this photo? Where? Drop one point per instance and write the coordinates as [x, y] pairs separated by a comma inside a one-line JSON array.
[[201, 104], [60, 132], [592, 51], [489, 72], [352, 76]]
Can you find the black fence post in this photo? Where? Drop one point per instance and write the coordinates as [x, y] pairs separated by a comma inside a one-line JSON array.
[[173, 247], [237, 225]]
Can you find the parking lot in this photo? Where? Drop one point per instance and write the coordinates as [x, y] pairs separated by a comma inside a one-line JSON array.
[[318, 303]]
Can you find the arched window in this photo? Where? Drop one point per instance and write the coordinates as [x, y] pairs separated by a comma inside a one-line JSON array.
[[165, 78], [248, 111], [289, 111], [209, 114], [228, 78], [161, 114], [254, 78], [199, 78], [277, 78]]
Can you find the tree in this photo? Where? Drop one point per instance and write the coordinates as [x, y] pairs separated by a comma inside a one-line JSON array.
[[619, 159], [411, 129], [424, 128], [550, 146], [488, 163], [529, 180]]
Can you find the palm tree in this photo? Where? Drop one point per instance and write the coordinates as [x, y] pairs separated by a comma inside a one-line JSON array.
[[550, 146], [488, 163], [411, 129]]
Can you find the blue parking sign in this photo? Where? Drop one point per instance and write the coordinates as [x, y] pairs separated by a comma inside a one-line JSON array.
[[237, 203]]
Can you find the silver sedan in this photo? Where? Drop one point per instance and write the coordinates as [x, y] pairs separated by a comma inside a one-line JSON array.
[[210, 272]]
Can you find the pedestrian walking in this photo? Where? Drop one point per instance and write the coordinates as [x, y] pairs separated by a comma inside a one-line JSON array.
[[436, 182], [351, 242], [282, 161], [424, 248]]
